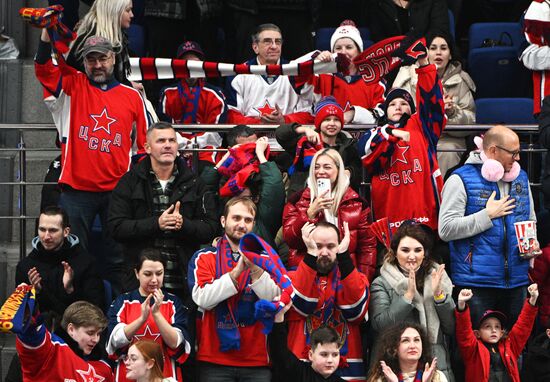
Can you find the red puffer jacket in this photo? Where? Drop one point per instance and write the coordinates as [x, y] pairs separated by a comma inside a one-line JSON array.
[[353, 209], [541, 275]]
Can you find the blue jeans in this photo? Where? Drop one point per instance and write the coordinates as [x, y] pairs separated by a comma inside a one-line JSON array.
[[210, 372], [82, 208], [508, 301]]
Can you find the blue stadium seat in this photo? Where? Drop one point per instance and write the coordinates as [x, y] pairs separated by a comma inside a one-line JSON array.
[[505, 110], [497, 72], [452, 25], [136, 39], [481, 31], [323, 35], [108, 295]]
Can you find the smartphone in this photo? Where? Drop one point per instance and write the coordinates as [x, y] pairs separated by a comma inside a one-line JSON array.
[[323, 184]]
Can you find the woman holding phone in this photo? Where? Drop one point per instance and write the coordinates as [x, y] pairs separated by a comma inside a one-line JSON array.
[[328, 197]]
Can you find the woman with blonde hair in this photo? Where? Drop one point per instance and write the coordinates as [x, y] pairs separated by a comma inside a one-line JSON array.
[[145, 362], [337, 204], [109, 19]]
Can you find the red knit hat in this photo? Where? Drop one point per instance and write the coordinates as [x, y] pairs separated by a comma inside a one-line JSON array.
[[326, 107]]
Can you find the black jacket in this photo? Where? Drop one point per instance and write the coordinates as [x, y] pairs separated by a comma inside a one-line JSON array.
[[544, 140], [537, 365], [288, 138], [52, 298], [286, 365], [426, 18], [132, 222]]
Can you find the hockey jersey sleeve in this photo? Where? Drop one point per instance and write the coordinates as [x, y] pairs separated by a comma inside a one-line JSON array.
[[376, 147], [430, 104], [353, 297], [306, 292], [43, 359], [213, 108], [208, 291]]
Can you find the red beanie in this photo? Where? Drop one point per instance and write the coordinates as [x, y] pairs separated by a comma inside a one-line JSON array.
[[326, 107]]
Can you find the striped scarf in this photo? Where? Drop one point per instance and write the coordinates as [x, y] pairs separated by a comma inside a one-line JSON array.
[[263, 255], [148, 68]]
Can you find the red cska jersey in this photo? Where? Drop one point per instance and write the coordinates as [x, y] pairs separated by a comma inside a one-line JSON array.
[[99, 126], [325, 300], [126, 309], [46, 357], [406, 180]]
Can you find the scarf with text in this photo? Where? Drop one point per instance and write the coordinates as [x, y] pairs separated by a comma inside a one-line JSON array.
[[378, 60], [18, 312]]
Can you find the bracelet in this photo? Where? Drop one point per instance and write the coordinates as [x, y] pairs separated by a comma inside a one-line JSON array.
[[256, 271], [440, 297]]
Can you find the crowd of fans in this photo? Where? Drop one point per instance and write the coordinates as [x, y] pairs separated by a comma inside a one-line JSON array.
[[439, 291]]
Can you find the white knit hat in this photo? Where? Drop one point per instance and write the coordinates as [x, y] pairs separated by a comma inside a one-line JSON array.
[[347, 29]]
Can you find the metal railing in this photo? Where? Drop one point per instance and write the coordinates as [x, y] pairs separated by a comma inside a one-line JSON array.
[[355, 130]]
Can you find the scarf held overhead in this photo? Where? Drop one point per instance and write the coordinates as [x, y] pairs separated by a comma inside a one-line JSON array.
[[148, 68], [50, 18], [381, 58]]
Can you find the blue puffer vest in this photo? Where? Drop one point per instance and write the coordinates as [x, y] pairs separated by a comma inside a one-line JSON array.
[[491, 258]]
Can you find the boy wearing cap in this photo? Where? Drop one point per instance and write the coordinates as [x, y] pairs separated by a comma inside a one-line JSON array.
[[194, 101], [490, 353], [329, 119]]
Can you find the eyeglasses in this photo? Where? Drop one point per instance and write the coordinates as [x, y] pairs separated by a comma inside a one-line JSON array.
[[270, 41], [514, 154], [93, 60]]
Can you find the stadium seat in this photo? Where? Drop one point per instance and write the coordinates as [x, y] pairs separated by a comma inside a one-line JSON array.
[[107, 295], [496, 32], [136, 40], [505, 110], [323, 35], [452, 24], [497, 72]]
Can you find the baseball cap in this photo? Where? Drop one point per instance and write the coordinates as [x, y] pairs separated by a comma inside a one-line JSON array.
[[493, 313], [190, 47], [96, 44]]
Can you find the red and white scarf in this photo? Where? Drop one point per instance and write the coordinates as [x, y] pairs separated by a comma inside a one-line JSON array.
[[148, 68]]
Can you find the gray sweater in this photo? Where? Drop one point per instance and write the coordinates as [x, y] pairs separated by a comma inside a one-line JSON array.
[[453, 224]]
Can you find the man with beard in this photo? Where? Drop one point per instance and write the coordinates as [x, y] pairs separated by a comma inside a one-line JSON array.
[[161, 204], [329, 291], [225, 285], [60, 270], [100, 123]]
